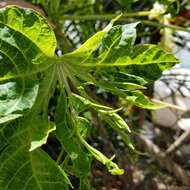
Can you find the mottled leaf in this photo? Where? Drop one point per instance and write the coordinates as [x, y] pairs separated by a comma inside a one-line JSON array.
[[27, 47], [27, 75], [115, 52]]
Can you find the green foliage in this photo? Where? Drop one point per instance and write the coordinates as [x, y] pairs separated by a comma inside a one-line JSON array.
[[29, 75]]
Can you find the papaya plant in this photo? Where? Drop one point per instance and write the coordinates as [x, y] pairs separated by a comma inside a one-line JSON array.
[[30, 73]]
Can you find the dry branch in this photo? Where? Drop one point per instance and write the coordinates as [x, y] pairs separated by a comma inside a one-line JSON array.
[[178, 143], [164, 161]]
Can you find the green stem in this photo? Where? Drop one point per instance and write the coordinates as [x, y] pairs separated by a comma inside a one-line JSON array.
[[123, 18], [60, 157], [103, 16], [160, 25]]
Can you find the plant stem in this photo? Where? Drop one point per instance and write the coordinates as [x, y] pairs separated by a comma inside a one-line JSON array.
[[103, 16], [107, 17], [160, 25], [60, 156]]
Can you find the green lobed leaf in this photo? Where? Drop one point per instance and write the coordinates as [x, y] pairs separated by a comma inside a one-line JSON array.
[[27, 81], [115, 64], [114, 51], [27, 47]]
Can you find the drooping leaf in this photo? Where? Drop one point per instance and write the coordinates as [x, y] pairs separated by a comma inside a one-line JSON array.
[[69, 141], [110, 116], [111, 166], [139, 99]]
